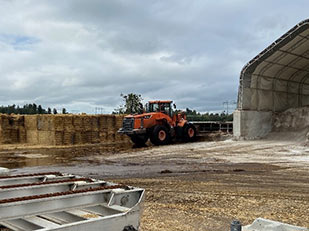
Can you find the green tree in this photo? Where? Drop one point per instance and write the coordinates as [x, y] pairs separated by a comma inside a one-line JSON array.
[[64, 111], [49, 111], [132, 104], [35, 108], [55, 111], [40, 109]]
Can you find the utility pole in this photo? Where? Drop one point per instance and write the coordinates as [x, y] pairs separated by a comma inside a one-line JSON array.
[[99, 110], [227, 106], [228, 103]]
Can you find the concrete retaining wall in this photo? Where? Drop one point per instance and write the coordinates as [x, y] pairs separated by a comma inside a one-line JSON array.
[[255, 124], [251, 124]]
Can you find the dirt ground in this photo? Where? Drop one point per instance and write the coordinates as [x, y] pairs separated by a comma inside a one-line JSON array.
[[197, 186]]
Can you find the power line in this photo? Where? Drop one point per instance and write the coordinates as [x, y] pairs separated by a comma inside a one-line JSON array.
[[228, 103]]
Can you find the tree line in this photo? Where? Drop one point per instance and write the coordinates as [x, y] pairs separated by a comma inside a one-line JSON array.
[[193, 115], [29, 109]]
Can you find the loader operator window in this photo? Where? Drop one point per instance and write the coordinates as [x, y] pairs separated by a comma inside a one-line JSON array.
[[166, 108], [162, 107], [154, 107]]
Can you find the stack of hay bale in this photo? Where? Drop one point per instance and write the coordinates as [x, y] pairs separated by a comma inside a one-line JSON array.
[[60, 129], [118, 125], [12, 129], [73, 129], [39, 129], [108, 127]]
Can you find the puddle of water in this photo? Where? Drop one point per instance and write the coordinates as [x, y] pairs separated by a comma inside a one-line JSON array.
[[59, 156], [31, 155]]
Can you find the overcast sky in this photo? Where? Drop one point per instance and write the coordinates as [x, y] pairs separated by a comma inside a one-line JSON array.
[[82, 54]]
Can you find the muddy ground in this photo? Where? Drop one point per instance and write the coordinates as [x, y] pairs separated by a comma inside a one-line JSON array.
[[197, 186]]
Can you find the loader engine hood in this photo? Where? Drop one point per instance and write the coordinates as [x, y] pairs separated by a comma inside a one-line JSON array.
[[144, 115]]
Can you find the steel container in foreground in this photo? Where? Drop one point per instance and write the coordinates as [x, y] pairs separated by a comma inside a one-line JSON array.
[[57, 201]]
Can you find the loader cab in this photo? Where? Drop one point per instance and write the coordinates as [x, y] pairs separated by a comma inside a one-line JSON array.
[[160, 106]]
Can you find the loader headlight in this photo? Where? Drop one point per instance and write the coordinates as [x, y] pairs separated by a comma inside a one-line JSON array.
[[147, 117]]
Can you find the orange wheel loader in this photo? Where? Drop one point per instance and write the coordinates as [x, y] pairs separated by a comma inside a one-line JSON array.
[[159, 124]]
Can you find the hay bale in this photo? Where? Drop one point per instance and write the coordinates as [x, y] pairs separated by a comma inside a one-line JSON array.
[[103, 136], [86, 137], [110, 121], [5, 121], [9, 122], [95, 123], [2, 137], [46, 137], [31, 122], [45, 123], [118, 121], [102, 122], [58, 123], [77, 138], [0, 133], [32, 136], [106, 121], [110, 136], [95, 137], [22, 135], [20, 120], [10, 136], [68, 138], [87, 123], [5, 137], [58, 137], [15, 121], [68, 123], [77, 123], [10, 126], [14, 135]]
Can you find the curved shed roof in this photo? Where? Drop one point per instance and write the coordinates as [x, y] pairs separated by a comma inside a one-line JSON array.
[[278, 77]]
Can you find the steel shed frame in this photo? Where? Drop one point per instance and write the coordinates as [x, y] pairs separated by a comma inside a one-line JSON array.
[[275, 80], [284, 68]]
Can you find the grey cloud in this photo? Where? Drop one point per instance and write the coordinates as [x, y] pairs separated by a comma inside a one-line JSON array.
[[83, 54]]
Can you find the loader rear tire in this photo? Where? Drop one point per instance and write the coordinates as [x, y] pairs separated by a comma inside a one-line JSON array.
[[189, 133], [160, 135]]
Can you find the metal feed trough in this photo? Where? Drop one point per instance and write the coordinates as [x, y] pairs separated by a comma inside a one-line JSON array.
[[57, 201]]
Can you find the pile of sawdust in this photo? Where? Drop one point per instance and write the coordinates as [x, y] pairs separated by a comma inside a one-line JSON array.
[[292, 119], [291, 125]]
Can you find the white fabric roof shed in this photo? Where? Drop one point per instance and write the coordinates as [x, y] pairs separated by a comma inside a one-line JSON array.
[[278, 78]]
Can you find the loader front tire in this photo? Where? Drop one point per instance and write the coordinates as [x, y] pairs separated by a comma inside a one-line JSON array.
[[160, 135], [139, 140]]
